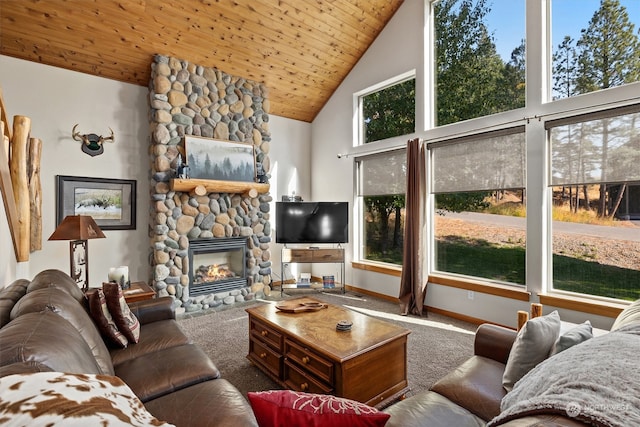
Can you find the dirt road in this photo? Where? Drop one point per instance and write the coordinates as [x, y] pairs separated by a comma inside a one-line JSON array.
[[605, 250]]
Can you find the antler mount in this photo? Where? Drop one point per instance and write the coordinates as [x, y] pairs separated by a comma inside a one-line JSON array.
[[91, 142]]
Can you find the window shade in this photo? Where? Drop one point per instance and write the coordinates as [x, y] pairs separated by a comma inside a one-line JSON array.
[[383, 174], [595, 150], [489, 161]]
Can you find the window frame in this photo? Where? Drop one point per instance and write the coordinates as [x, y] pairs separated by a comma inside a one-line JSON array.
[[362, 150], [358, 122], [595, 112], [539, 108], [360, 249], [480, 136]]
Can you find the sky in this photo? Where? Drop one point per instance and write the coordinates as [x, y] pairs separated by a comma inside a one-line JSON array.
[[568, 17]]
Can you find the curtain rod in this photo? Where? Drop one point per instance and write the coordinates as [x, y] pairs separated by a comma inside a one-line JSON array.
[[367, 153]]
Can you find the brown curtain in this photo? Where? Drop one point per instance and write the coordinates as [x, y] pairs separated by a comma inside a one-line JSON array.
[[413, 283]]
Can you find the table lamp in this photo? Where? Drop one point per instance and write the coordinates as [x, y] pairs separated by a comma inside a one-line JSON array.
[[78, 229]]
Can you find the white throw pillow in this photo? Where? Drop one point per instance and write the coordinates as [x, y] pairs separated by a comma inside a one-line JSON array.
[[573, 336], [56, 398], [532, 345]]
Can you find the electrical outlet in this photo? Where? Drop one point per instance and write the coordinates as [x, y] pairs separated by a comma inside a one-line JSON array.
[[471, 295]]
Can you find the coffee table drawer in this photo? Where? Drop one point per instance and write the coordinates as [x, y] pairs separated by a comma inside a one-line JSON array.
[[297, 379], [266, 334], [262, 354], [309, 360]]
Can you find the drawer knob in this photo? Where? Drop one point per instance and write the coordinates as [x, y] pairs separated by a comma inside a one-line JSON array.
[[264, 333], [263, 355], [304, 386], [305, 359]]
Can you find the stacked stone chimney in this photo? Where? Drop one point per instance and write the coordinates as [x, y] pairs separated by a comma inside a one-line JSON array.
[[188, 99]]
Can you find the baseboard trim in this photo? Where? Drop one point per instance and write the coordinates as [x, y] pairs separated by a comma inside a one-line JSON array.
[[372, 294], [458, 316]]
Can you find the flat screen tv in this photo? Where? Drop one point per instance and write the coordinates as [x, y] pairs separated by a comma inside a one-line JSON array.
[[312, 222]]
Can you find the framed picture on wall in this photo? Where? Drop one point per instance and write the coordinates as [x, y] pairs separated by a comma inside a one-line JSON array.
[[219, 160], [111, 202]]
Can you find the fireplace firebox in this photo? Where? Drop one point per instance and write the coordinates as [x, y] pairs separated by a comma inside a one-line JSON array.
[[217, 265]]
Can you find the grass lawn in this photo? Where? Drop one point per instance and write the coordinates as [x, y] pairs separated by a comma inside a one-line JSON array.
[[482, 259]]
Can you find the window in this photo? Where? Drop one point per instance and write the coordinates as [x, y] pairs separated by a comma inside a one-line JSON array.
[[516, 174], [381, 195], [595, 45], [389, 111], [595, 185], [480, 58], [385, 111], [579, 149], [479, 226]]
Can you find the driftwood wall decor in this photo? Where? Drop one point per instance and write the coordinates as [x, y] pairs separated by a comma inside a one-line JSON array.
[[20, 183]]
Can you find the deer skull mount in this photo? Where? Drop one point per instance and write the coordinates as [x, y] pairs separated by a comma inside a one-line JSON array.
[[92, 143]]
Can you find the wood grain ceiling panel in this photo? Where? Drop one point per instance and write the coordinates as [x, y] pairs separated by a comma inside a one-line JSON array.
[[300, 49]]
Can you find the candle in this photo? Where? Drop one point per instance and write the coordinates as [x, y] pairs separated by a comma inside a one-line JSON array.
[[120, 275]]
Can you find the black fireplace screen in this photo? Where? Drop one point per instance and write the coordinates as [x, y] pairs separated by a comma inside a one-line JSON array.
[[217, 265]]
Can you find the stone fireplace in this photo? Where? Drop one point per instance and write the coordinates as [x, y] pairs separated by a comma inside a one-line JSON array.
[[189, 99]]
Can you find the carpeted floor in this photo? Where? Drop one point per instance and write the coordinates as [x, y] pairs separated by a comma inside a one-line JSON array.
[[436, 345]]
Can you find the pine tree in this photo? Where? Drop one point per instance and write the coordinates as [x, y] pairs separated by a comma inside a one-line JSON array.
[[609, 50], [511, 88], [565, 71], [609, 55], [469, 71]]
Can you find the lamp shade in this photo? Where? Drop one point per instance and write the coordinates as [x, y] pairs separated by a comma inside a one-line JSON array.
[[77, 227]]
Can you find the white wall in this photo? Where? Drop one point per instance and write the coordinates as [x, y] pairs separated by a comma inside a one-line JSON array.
[[290, 172], [397, 50], [55, 99]]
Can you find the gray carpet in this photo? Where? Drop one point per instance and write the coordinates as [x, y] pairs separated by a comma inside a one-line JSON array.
[[436, 345]]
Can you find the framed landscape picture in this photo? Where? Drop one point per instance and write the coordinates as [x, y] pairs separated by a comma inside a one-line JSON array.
[[219, 160], [111, 202]]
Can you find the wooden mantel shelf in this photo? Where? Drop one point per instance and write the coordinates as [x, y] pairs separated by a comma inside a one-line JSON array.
[[213, 186]]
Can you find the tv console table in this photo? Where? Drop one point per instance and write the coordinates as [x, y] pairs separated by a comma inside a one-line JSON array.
[[312, 256]]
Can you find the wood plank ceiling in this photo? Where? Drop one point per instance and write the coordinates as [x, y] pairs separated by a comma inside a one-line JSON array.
[[300, 49]]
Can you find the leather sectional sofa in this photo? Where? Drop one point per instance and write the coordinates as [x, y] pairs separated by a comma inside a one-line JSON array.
[[472, 394], [45, 326]]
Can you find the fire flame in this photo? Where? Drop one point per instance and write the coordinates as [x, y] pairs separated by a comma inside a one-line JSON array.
[[218, 271]]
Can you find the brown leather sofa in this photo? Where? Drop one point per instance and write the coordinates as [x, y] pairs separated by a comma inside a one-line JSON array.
[[45, 326], [471, 395], [468, 396]]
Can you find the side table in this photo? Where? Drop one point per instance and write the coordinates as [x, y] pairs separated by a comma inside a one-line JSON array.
[[138, 291]]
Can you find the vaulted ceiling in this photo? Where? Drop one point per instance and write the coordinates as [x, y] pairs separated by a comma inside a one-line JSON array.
[[300, 49]]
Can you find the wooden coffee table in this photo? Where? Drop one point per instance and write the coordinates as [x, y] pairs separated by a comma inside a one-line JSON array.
[[304, 352]]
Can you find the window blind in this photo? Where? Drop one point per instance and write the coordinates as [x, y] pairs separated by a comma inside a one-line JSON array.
[[595, 149], [488, 161], [383, 174]]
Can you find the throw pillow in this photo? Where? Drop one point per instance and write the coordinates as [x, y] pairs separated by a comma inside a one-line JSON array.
[[532, 345], [101, 315], [631, 314], [573, 336], [55, 398], [126, 321], [292, 408]]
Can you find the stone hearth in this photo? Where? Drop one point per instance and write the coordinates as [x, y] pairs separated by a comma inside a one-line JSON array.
[[187, 99]]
